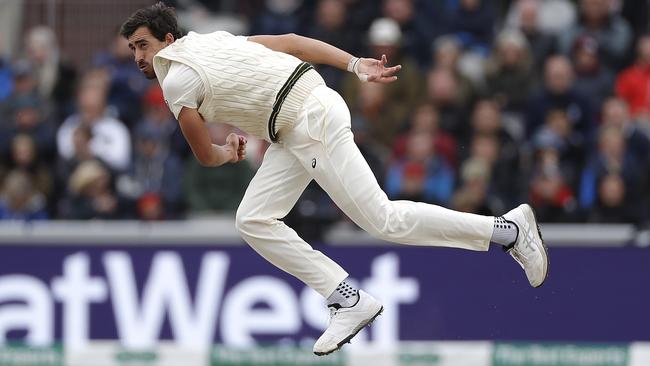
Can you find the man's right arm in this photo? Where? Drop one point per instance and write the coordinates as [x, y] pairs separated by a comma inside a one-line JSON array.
[[182, 89], [198, 137]]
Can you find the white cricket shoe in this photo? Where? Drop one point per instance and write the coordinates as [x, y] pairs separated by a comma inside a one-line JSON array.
[[529, 249], [345, 323]]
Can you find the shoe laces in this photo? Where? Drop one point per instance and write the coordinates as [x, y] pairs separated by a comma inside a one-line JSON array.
[[333, 312], [518, 255]]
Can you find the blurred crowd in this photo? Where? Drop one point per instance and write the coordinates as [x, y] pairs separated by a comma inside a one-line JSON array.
[[497, 103]]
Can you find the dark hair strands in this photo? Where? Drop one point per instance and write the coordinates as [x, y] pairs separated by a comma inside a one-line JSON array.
[[159, 18]]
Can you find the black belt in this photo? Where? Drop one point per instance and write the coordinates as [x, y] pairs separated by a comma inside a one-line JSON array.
[[282, 95]]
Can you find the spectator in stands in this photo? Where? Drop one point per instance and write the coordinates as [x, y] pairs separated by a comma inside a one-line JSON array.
[[438, 98], [550, 16], [551, 195], [558, 92], [447, 54], [127, 86], [278, 17], [473, 194], [528, 21], [473, 22], [487, 119], [199, 182], [23, 84], [360, 14], [24, 81], [637, 13], [91, 194], [613, 203], [490, 140], [158, 117], [425, 121], [418, 26], [401, 96], [508, 71], [330, 26], [152, 180], [6, 77], [485, 146], [616, 113], [55, 77], [443, 91], [569, 145], [19, 200], [610, 30], [111, 141], [24, 157], [592, 79], [81, 138], [633, 83], [27, 118], [612, 157], [381, 117], [421, 175]]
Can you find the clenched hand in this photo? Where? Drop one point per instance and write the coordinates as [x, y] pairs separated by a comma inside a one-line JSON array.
[[237, 144]]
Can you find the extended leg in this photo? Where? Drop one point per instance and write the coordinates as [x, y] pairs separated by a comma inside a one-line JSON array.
[[324, 144]]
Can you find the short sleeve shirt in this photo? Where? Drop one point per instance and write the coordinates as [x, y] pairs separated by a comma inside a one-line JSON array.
[[182, 87]]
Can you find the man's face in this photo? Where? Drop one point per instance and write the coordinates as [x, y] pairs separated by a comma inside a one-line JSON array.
[[528, 15], [144, 47], [616, 113], [558, 75], [595, 10], [400, 10]]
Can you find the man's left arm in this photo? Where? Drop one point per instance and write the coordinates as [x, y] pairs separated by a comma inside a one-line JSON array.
[[318, 52]]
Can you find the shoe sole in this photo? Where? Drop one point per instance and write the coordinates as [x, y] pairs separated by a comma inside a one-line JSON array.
[[541, 240], [354, 333]]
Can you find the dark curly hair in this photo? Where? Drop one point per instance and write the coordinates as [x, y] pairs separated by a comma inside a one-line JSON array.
[[160, 19]]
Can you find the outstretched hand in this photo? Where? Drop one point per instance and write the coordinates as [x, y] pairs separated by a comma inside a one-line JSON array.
[[373, 70], [237, 145]]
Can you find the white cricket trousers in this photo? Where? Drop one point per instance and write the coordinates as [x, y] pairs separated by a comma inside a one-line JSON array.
[[320, 146]]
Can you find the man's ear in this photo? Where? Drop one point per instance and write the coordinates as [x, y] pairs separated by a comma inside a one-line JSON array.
[[169, 38]]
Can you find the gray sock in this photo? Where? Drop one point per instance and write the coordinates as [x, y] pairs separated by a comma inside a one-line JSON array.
[[505, 232], [344, 296]]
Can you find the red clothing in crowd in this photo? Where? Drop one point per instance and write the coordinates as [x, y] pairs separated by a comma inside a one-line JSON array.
[[633, 85], [445, 146]]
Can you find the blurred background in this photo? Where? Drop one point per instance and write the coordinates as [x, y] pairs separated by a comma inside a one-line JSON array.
[[117, 247]]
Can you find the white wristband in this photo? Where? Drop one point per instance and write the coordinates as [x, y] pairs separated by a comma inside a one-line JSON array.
[[353, 65]]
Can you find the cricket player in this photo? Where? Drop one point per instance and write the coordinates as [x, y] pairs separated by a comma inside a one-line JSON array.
[[267, 87]]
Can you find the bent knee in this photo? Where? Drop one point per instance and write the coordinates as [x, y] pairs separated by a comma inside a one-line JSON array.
[[243, 221], [249, 225]]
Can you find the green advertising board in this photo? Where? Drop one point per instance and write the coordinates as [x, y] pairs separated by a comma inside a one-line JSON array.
[[556, 354], [272, 356], [20, 355]]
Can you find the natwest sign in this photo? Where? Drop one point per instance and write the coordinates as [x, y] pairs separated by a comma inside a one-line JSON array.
[[198, 296], [196, 299]]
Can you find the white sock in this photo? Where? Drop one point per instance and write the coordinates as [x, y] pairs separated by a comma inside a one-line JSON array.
[[344, 296], [505, 232]]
